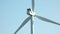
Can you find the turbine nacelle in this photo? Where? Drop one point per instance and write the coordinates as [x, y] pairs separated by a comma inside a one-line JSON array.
[[30, 12]]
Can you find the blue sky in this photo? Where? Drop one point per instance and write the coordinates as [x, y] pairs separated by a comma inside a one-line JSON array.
[[13, 13]]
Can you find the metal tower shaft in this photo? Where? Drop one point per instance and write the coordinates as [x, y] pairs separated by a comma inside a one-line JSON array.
[[32, 25]]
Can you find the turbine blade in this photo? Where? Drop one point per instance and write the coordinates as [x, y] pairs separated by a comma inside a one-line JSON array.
[[24, 22], [33, 5], [47, 20]]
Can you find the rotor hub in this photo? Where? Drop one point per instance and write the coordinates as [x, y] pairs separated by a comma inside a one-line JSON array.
[[30, 12]]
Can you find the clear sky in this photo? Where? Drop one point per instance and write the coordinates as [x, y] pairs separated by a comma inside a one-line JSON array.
[[13, 13]]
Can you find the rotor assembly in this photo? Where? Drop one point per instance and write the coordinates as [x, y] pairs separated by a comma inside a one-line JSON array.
[[31, 13]]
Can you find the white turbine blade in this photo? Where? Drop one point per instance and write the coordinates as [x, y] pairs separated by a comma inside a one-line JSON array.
[[33, 5], [47, 20], [24, 22]]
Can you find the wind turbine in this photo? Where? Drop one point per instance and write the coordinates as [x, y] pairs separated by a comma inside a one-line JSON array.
[[32, 14]]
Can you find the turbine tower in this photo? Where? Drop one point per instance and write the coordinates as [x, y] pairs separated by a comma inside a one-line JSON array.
[[32, 14]]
